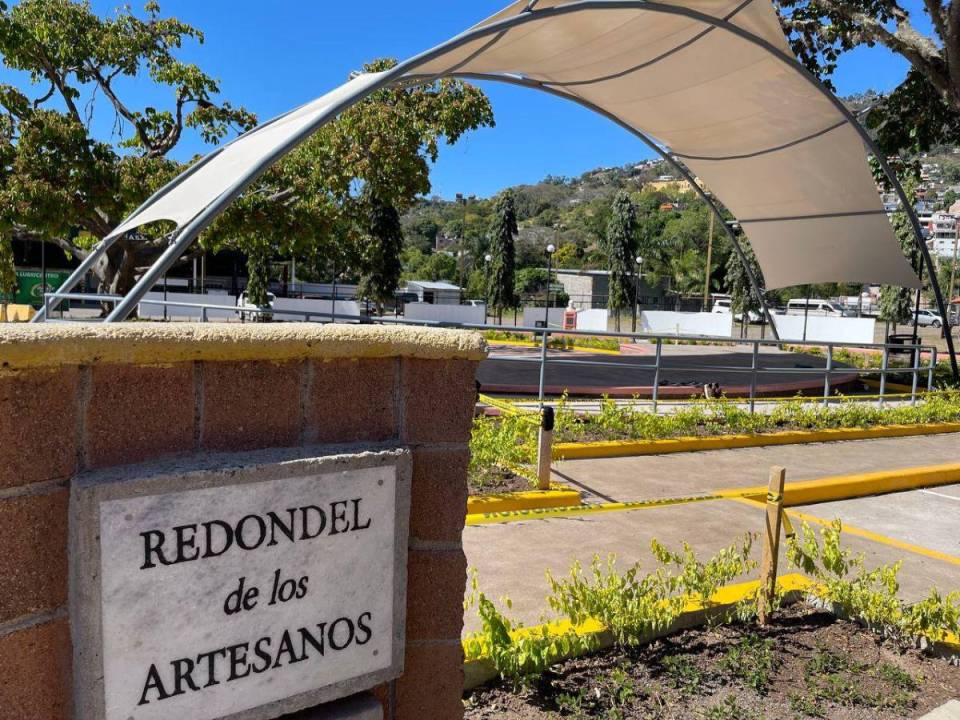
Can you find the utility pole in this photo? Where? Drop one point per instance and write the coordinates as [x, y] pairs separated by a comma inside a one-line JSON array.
[[706, 283], [953, 268]]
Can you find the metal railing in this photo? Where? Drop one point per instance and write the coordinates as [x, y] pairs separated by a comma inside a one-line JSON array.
[[917, 369]]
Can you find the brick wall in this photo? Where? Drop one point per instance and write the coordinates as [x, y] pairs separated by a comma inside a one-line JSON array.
[[55, 422]]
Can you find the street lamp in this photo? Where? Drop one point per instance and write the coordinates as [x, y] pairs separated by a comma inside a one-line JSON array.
[[636, 291], [551, 249], [487, 259]]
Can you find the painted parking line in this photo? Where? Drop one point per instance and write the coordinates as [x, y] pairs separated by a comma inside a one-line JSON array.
[[940, 495]]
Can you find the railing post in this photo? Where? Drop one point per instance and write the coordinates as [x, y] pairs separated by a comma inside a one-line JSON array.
[[915, 374], [545, 447], [46, 306], [656, 374], [754, 362], [543, 364], [883, 374], [826, 376], [933, 367], [203, 314], [771, 543]]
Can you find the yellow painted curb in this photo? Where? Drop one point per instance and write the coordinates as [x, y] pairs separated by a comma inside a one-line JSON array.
[[629, 448], [846, 487], [898, 387], [556, 496], [480, 670]]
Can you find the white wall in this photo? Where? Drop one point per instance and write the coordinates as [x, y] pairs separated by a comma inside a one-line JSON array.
[[662, 322], [446, 313], [153, 310], [596, 320], [345, 308], [826, 329], [533, 315]]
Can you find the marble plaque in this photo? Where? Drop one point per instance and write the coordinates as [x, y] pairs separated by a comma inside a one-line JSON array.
[[242, 592]]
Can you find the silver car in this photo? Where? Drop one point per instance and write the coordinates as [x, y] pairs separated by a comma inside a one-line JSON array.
[[928, 318]]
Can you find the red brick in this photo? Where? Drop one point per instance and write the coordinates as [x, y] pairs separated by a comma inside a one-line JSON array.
[[139, 412], [439, 400], [352, 401], [250, 405], [439, 494], [33, 554], [432, 683], [382, 693], [436, 581], [35, 667], [38, 420]]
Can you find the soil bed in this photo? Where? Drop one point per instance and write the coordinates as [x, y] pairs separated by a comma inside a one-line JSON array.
[[807, 665], [496, 480]]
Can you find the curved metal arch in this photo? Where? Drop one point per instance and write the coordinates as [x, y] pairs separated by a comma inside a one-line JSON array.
[[667, 157], [190, 231]]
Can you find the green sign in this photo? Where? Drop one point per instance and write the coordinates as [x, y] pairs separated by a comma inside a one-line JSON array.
[[30, 285]]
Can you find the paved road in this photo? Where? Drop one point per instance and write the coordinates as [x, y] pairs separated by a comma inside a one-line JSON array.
[[511, 559]]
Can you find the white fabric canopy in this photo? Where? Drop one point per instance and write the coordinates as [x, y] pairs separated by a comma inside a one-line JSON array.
[[762, 137]]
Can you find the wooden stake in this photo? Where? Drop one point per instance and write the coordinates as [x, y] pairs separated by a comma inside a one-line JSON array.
[[545, 448], [771, 543]]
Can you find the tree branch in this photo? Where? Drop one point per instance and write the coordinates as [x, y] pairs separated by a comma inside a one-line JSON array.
[[104, 83], [921, 51]]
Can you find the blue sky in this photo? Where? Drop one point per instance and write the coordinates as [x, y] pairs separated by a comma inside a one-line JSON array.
[[270, 56]]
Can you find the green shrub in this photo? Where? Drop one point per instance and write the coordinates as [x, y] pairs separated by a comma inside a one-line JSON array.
[[870, 596]]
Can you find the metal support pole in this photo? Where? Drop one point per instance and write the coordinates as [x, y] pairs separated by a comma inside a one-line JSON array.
[[656, 374], [933, 367], [203, 314], [333, 309], [883, 374], [754, 358], [543, 364], [826, 376], [915, 374], [545, 447]]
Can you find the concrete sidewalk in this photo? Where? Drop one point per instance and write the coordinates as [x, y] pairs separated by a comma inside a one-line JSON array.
[[512, 558], [656, 476]]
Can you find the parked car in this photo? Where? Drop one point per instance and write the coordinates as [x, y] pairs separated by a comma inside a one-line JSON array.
[[243, 303], [929, 318], [722, 306], [816, 306]]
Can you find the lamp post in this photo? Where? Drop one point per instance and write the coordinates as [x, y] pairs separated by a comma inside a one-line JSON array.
[[551, 249], [487, 259], [636, 291]]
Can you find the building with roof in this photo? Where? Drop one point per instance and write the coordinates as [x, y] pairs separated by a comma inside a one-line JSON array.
[[435, 292]]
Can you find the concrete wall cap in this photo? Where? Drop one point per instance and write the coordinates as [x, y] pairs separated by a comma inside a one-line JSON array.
[[53, 345]]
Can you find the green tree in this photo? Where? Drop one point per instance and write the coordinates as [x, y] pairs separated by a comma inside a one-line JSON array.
[[381, 265], [60, 183], [8, 274], [897, 303], [620, 245], [500, 288], [925, 108], [57, 182], [258, 278], [682, 271], [948, 199], [743, 300]]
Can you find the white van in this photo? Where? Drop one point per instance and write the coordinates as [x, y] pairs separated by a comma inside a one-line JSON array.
[[815, 306]]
